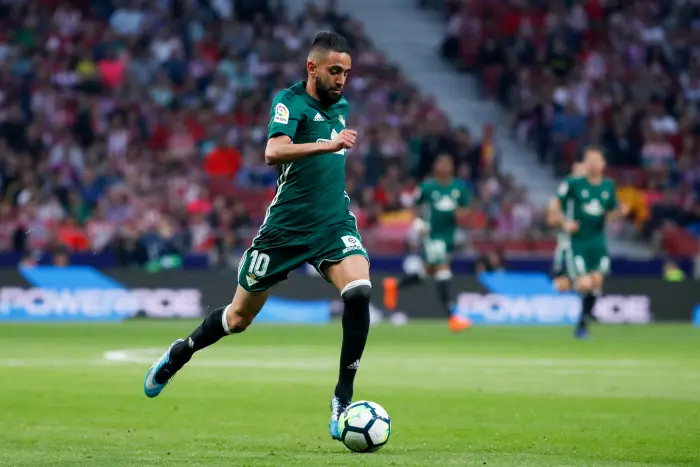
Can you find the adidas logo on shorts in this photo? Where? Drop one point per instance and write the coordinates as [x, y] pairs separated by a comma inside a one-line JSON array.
[[318, 118]]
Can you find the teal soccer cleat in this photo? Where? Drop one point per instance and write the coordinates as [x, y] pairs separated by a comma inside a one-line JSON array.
[[150, 386], [337, 409]]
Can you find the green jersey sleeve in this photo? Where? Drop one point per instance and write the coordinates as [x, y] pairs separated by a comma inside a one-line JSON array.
[[285, 115], [564, 191]]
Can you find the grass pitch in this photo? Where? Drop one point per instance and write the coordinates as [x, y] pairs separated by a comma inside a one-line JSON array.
[[71, 395]]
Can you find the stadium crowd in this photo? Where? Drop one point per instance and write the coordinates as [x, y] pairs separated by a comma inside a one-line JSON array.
[[624, 75], [140, 126]]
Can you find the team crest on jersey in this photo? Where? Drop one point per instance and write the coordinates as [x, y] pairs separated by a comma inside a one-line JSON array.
[[584, 193], [455, 193], [341, 120], [605, 195], [281, 114]]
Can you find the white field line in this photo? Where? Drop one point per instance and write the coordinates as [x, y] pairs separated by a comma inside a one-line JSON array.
[[250, 354], [497, 375], [450, 365], [410, 364]]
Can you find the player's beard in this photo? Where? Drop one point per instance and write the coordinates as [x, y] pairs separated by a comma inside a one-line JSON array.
[[324, 92]]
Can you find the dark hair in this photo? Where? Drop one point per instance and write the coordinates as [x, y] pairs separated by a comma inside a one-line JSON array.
[[330, 41], [593, 148]]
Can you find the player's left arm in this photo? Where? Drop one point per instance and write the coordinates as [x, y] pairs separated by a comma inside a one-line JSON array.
[[285, 116], [463, 201], [616, 210]]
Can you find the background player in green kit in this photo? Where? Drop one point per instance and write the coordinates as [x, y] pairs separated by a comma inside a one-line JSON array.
[[583, 206], [439, 200], [308, 221]]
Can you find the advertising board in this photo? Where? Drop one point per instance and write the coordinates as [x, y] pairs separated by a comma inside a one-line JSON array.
[[84, 293]]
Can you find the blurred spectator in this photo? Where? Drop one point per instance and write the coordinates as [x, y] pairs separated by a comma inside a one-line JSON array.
[[223, 161], [60, 258], [132, 127], [672, 273], [28, 261], [492, 261], [633, 197]]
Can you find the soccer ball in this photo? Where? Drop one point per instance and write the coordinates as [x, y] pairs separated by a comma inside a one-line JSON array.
[[365, 427]]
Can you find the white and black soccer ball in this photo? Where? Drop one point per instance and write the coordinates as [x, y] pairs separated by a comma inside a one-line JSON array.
[[365, 427]]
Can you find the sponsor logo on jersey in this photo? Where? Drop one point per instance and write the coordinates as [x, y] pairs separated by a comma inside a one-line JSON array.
[[445, 203], [593, 208], [281, 114], [333, 135], [318, 118]]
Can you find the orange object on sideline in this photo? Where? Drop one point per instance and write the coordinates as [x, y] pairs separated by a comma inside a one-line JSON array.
[[391, 293], [459, 323]]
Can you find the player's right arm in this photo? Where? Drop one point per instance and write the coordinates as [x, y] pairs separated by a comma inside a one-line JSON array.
[[555, 216], [284, 120], [555, 211], [419, 197]]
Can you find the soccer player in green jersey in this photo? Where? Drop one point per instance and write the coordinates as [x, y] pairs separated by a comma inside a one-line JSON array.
[[308, 221], [439, 200], [582, 207]]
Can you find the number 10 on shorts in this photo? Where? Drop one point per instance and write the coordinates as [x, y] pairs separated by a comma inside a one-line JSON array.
[[259, 263]]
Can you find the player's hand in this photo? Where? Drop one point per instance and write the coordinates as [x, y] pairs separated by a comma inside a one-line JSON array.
[[344, 140], [624, 210], [420, 227], [570, 226]]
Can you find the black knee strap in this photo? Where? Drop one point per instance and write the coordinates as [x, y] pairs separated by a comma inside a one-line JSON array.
[[357, 290]]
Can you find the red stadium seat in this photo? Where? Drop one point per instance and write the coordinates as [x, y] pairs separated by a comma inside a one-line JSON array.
[[474, 220], [678, 242]]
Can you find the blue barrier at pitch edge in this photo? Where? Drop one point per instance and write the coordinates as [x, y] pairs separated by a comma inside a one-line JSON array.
[[82, 293], [283, 311], [518, 299], [75, 293]]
